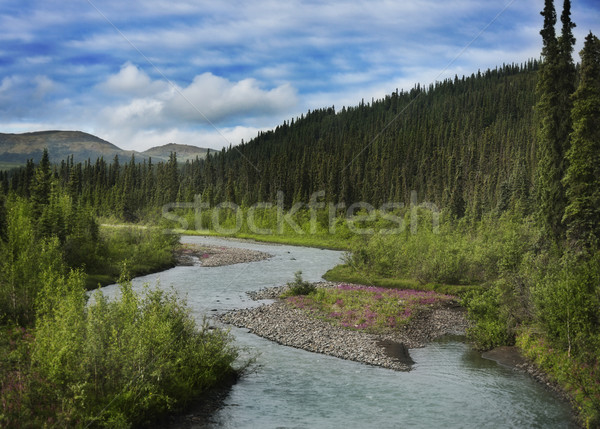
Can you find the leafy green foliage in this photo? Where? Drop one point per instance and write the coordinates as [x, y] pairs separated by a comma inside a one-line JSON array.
[[567, 298], [454, 254], [490, 329], [23, 262], [579, 377], [143, 250], [299, 286], [123, 362]]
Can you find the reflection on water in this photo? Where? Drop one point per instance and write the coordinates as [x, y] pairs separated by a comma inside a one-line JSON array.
[[450, 384]]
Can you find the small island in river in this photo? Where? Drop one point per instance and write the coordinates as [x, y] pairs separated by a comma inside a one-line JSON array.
[[287, 323]]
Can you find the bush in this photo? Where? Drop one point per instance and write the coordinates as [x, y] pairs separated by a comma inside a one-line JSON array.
[[489, 327], [299, 286], [453, 254], [23, 260], [123, 362], [567, 299], [578, 376]]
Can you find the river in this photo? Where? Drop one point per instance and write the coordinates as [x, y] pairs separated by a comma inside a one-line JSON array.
[[450, 385]]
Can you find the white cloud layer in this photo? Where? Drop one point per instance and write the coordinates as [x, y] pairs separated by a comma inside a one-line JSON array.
[[208, 99], [176, 66]]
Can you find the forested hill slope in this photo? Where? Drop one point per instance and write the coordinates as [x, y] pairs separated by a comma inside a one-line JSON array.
[[463, 143]]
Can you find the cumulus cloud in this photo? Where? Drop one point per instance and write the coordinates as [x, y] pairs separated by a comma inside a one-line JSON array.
[[208, 98], [210, 111], [215, 98], [130, 80]]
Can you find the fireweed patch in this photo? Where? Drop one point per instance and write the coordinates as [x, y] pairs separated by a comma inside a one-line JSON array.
[[367, 307]]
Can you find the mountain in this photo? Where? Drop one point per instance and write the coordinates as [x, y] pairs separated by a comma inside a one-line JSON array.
[[184, 152], [16, 149]]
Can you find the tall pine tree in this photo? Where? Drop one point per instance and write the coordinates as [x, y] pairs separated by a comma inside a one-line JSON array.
[[554, 114], [41, 186], [582, 181]]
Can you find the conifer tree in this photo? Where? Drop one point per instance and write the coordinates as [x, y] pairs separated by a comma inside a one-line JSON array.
[[554, 113], [41, 186], [582, 181]]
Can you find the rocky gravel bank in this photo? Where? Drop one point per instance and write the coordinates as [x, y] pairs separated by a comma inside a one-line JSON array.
[[216, 256], [294, 327]]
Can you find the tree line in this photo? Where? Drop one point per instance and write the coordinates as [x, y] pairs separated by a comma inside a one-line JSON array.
[[464, 143]]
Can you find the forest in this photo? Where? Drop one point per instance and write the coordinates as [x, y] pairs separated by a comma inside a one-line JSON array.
[[493, 180]]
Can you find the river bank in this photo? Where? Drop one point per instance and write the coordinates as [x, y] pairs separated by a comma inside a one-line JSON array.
[[293, 327], [217, 256]]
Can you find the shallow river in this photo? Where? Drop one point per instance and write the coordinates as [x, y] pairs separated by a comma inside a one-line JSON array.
[[449, 386]]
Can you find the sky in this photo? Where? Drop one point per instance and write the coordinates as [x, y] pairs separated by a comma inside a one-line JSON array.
[[146, 73]]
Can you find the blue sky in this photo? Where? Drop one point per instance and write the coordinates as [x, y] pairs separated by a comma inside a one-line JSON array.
[[146, 73]]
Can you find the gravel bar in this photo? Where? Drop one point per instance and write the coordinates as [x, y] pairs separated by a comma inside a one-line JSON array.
[[293, 327], [216, 256]]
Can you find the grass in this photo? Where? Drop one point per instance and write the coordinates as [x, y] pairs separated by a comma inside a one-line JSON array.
[[5, 166], [347, 274], [367, 307], [144, 250], [318, 241], [344, 272]]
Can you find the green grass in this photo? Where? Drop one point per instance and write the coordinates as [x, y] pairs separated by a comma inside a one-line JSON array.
[[342, 273], [145, 250], [318, 241], [374, 309], [4, 166], [347, 274]]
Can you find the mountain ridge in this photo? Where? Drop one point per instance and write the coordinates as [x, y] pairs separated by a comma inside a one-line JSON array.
[[17, 148]]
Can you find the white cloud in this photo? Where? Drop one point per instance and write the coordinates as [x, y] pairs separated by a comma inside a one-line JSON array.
[[206, 98], [158, 112], [132, 81], [216, 99]]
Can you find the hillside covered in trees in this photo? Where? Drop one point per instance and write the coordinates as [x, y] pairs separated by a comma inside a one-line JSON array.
[[464, 143]]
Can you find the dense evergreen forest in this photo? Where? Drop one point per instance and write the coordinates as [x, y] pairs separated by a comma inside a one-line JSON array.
[[509, 158], [464, 143]]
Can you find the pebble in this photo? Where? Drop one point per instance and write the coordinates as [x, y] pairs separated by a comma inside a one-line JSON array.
[[293, 327], [216, 256]]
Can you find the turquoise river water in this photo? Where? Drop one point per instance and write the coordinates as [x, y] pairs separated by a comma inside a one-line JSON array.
[[450, 385]]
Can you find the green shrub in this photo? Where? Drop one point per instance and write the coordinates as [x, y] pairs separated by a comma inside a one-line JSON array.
[[578, 376], [123, 362], [489, 326], [299, 286], [567, 303], [23, 260]]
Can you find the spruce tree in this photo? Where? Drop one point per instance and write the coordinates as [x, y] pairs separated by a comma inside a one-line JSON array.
[[41, 186], [554, 119], [582, 181]]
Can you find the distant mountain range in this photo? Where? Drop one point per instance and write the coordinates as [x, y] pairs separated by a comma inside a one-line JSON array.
[[16, 149]]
